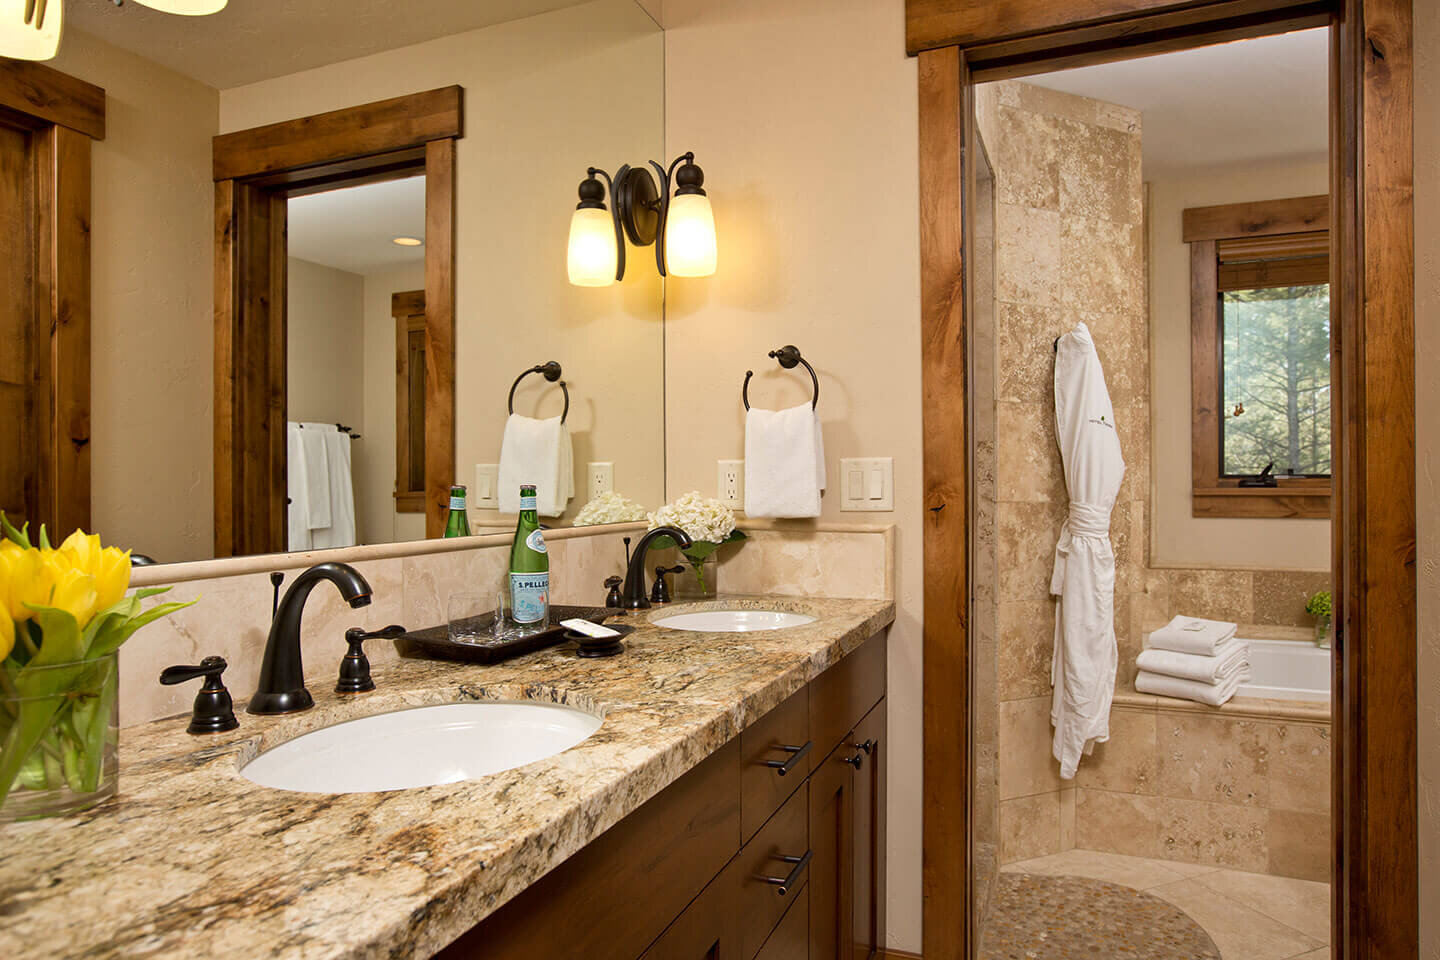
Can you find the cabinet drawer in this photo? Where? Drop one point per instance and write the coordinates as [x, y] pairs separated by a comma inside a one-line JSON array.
[[706, 930], [840, 696], [759, 901], [791, 939], [776, 754]]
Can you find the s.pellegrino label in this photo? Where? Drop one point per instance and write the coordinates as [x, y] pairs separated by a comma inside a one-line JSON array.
[[529, 566]]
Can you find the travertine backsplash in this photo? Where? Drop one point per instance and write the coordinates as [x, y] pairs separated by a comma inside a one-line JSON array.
[[232, 618]]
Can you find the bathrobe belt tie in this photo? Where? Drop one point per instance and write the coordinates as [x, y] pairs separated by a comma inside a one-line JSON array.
[[1088, 520]]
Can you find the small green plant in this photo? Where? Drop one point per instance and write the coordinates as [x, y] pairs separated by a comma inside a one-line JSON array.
[[1319, 606]]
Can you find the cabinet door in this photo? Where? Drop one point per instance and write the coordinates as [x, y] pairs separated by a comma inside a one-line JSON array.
[[868, 836], [832, 837]]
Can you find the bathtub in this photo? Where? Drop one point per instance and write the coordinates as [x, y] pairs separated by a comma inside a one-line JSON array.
[[1287, 670]]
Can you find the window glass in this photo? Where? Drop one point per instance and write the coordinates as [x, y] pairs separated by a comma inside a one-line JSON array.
[[1275, 381]]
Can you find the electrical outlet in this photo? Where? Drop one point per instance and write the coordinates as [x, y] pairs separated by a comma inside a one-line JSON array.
[[730, 482], [602, 478], [485, 495]]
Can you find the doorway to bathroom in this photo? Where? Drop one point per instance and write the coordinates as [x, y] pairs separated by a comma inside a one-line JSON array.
[[1165, 220], [1197, 779]]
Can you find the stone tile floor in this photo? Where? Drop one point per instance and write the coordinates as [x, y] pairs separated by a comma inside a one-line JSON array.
[[1250, 916]]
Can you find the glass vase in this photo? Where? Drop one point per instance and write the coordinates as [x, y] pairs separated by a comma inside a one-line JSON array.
[[699, 579], [59, 733], [1322, 633]]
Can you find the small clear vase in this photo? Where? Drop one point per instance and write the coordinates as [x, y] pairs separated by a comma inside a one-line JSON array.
[[59, 737], [699, 579], [1322, 633]]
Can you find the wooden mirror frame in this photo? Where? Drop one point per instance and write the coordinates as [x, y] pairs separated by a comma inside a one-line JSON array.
[[1375, 875], [255, 172]]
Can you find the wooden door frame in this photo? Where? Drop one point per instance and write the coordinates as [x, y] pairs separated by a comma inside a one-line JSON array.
[[255, 172], [962, 42], [65, 115]]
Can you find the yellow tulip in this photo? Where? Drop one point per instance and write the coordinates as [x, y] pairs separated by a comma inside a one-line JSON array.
[[7, 635], [83, 551], [25, 579], [112, 576], [75, 593]]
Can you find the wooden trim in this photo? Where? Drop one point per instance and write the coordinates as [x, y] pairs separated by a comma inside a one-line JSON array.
[[945, 112], [67, 444], [375, 128], [1375, 888], [440, 331], [1377, 912], [407, 308], [227, 313], [42, 92], [1264, 218], [1281, 503]]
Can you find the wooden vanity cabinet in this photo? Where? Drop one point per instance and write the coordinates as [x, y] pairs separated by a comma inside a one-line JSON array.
[[685, 876]]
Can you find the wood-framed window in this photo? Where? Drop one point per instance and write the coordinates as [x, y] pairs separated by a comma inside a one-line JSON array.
[[1260, 357], [408, 309]]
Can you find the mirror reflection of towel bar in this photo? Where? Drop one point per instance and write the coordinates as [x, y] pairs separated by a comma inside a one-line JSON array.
[[550, 371]]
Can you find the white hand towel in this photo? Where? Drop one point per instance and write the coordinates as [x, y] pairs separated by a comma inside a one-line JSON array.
[[1231, 658], [538, 452], [314, 447], [784, 462], [1212, 693], [341, 531], [297, 513], [1192, 635]]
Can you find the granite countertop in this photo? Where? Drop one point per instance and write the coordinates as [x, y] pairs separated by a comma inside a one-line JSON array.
[[192, 860]]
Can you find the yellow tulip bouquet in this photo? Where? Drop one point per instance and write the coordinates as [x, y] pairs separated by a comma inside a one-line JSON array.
[[63, 616]]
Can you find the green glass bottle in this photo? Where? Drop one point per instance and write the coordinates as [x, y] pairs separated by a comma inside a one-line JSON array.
[[529, 567], [458, 523]]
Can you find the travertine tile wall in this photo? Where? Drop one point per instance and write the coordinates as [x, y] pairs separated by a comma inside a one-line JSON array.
[[232, 618], [1069, 248], [1242, 788]]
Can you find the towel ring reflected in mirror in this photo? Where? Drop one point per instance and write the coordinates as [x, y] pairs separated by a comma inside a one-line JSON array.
[[788, 357], [550, 371]]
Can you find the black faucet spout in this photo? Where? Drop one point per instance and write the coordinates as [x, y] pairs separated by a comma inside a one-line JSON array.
[[634, 590], [282, 672]]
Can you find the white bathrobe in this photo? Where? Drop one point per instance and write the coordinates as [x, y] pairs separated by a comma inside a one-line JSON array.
[[1083, 667]]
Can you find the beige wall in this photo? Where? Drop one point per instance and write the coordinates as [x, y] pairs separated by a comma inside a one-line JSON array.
[[324, 331], [1427, 467], [375, 452], [803, 115], [539, 109], [1180, 539], [151, 273]]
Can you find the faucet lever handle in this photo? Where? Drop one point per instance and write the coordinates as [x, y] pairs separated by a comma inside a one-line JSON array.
[[355, 668], [214, 710]]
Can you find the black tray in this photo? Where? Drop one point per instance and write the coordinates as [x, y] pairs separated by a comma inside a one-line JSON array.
[[435, 643]]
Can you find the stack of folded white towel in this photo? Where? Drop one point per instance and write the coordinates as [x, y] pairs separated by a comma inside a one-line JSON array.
[[1194, 659]]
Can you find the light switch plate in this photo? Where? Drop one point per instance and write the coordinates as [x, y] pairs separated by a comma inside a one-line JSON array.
[[485, 495], [867, 484], [730, 483], [601, 478]]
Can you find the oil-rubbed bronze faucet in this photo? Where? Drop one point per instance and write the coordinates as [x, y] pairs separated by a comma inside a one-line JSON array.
[[634, 592], [282, 674]]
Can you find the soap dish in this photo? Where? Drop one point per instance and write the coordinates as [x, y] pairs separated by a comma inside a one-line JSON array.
[[591, 647]]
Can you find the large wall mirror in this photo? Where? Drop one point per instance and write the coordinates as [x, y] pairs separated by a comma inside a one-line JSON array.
[[342, 365]]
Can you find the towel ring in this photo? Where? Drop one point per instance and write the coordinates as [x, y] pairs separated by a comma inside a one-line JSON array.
[[789, 357], [550, 371]]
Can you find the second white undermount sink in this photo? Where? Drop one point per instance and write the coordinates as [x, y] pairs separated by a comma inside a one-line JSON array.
[[421, 747], [734, 621]]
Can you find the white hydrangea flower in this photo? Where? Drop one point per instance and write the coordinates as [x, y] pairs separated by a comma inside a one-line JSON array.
[[703, 518], [609, 507]]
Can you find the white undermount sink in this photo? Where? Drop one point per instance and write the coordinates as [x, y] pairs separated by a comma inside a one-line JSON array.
[[421, 747], [734, 621]]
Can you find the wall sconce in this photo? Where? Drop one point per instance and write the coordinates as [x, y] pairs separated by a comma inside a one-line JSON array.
[[684, 225]]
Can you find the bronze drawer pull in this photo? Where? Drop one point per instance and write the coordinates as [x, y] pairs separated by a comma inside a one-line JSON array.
[[787, 883], [783, 767]]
